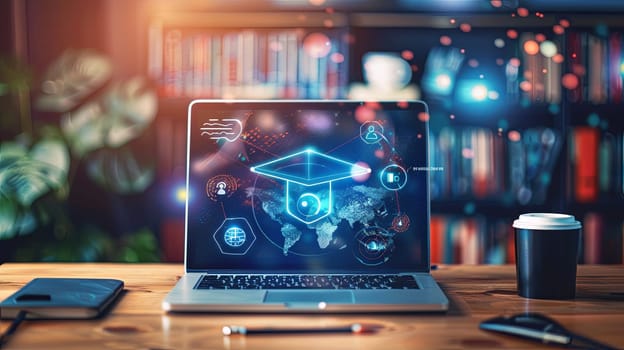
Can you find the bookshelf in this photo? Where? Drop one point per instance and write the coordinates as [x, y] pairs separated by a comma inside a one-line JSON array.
[[518, 151]]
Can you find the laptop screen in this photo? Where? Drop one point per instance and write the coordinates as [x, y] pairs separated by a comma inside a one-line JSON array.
[[307, 186]]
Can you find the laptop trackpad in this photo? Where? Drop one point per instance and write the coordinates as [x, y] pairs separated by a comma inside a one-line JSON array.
[[315, 297]]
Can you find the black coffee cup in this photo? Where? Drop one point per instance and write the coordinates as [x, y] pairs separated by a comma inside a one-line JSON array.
[[547, 246]]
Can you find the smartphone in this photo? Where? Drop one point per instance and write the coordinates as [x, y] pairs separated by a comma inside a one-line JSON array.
[[62, 298]]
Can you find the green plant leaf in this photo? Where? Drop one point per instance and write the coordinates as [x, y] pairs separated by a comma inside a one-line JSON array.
[[126, 110], [70, 78], [120, 170]]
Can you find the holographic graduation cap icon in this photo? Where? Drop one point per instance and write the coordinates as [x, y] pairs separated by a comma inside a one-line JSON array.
[[309, 175]]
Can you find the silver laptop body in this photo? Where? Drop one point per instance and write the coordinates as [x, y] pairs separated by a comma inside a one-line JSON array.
[[307, 206]]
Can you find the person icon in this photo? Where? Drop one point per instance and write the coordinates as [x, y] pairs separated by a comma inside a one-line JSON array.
[[221, 186], [371, 135]]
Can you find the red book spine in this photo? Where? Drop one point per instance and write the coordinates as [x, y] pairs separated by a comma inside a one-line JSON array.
[[436, 233], [586, 140]]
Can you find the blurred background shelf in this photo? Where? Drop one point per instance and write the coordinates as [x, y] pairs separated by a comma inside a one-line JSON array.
[[525, 97]]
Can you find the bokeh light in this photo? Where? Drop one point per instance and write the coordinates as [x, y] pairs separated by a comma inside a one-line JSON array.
[[317, 45], [407, 55], [473, 63], [522, 12], [558, 29], [558, 58], [337, 57], [443, 82], [548, 48], [317, 2], [531, 47], [593, 120], [180, 194], [364, 114], [446, 40], [496, 3], [564, 23], [328, 23], [540, 37], [479, 92], [570, 81], [526, 86], [514, 136], [500, 43], [512, 34], [514, 61], [465, 27], [423, 117], [493, 95], [578, 69]]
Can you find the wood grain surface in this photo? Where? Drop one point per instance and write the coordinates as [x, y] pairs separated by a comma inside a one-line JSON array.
[[476, 292]]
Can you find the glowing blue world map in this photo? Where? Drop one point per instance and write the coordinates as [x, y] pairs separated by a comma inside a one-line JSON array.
[[355, 205]]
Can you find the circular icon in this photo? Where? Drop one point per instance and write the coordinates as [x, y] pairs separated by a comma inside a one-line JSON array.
[[393, 177], [401, 223], [373, 245], [309, 204], [221, 187], [234, 236], [371, 132]]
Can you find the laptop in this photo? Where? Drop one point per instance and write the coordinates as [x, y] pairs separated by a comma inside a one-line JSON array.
[[307, 206]]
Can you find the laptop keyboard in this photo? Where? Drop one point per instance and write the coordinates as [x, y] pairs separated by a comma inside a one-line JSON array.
[[307, 282]]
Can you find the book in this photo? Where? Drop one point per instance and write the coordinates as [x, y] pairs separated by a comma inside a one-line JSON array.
[[585, 142]]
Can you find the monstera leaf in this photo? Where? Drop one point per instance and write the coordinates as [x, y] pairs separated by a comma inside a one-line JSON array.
[[101, 132], [125, 112], [73, 76], [120, 170], [25, 176]]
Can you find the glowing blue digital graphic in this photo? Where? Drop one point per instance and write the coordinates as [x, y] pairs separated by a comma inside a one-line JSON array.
[[371, 132], [234, 236], [393, 177], [309, 175], [309, 204], [228, 129]]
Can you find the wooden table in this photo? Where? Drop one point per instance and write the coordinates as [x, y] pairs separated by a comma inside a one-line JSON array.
[[476, 293]]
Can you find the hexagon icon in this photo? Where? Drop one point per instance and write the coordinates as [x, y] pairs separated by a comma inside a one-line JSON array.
[[371, 132], [234, 236]]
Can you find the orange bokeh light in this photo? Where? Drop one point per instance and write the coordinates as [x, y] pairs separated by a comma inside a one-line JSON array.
[[512, 34], [570, 81], [531, 47]]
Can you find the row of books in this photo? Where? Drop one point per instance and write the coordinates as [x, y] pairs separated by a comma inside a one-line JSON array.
[[477, 240], [541, 80], [602, 240], [596, 170], [471, 240], [480, 163], [596, 59], [289, 63]]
